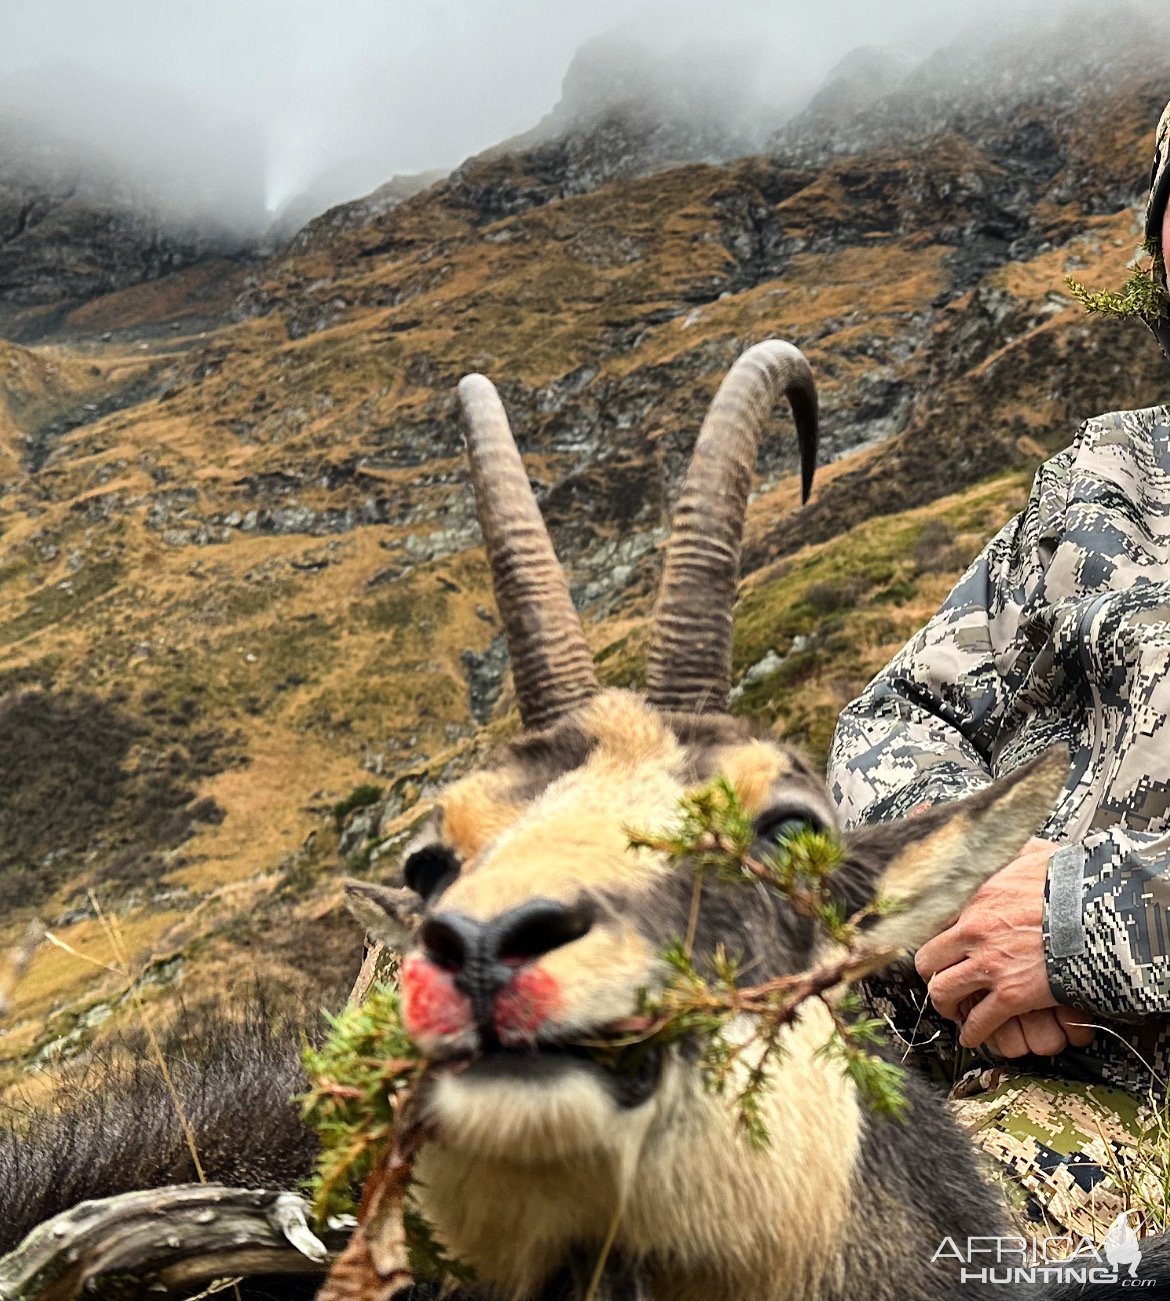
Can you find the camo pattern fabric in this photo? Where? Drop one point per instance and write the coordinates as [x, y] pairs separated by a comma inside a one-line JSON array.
[[1058, 633], [1069, 1156]]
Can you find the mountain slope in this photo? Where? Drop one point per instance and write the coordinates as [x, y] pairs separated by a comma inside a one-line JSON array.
[[240, 576]]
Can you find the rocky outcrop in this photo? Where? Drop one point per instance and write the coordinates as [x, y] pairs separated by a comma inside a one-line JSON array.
[[627, 110], [73, 228], [978, 85]]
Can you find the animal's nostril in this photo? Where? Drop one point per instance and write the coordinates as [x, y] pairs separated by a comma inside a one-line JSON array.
[[449, 939], [536, 928]]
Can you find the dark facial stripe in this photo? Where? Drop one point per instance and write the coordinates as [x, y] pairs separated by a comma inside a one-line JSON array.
[[753, 924]]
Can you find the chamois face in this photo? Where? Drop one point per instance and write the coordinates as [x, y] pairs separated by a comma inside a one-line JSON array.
[[543, 926]]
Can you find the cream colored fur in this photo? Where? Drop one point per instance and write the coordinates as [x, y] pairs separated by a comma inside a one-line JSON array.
[[523, 1173], [575, 836]]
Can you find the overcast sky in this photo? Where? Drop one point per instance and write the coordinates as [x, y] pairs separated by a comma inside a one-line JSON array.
[[263, 96]]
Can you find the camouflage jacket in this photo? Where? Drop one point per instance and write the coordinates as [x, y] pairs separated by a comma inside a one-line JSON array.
[[1058, 632]]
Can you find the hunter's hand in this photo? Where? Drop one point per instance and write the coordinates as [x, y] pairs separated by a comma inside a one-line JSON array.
[[1044, 1033], [991, 959]]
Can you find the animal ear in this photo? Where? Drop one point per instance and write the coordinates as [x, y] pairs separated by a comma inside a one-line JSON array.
[[926, 868], [389, 915]]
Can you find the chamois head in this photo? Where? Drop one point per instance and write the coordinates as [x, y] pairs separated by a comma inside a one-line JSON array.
[[542, 926]]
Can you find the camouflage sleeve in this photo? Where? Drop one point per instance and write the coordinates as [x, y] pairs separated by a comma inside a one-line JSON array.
[[1107, 924], [924, 729]]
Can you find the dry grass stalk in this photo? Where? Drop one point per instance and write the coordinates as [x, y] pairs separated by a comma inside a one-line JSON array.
[[121, 966], [113, 933], [17, 963]]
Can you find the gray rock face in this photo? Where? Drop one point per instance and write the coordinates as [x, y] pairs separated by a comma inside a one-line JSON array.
[[977, 86], [624, 111], [311, 220], [69, 230], [485, 676]]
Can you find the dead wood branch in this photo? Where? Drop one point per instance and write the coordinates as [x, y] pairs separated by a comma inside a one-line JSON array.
[[179, 1238]]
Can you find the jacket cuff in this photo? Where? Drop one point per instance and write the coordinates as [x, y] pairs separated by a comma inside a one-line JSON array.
[[1064, 919], [1100, 948]]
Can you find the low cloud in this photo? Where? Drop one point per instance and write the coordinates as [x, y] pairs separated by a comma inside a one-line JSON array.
[[234, 107]]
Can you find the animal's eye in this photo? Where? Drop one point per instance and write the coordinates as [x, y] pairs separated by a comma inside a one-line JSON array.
[[778, 825], [430, 869]]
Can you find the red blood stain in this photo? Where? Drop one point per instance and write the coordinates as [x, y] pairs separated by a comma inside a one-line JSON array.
[[525, 1004], [431, 1004]]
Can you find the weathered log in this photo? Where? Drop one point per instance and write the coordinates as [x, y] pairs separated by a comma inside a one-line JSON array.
[[176, 1239]]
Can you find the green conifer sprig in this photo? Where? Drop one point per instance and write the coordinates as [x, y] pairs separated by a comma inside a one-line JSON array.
[[1142, 297], [359, 1077], [361, 1081], [879, 1082], [715, 836]]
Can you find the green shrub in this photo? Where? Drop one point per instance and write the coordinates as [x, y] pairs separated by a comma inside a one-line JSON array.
[[360, 797]]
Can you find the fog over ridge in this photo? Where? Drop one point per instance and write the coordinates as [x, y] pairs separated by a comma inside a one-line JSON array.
[[230, 110]]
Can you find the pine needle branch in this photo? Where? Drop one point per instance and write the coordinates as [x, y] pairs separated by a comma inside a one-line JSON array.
[[1142, 297], [715, 836], [363, 1082]]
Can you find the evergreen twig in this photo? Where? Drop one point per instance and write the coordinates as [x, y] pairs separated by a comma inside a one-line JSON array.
[[363, 1081], [716, 836], [1142, 297]]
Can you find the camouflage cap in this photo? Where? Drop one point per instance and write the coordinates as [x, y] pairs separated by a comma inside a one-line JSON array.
[[1159, 178]]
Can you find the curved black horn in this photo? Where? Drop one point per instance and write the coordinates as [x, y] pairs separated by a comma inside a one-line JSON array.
[[690, 647], [552, 665]]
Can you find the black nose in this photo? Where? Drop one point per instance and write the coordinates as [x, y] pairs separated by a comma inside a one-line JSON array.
[[483, 956], [536, 928]]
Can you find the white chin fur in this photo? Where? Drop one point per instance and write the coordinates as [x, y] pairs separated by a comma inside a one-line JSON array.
[[516, 1121]]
